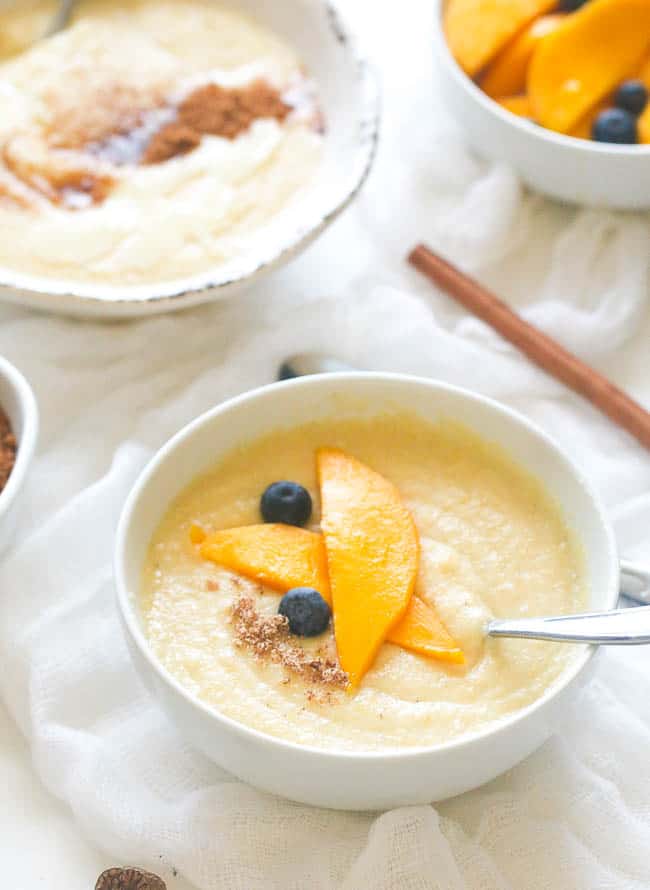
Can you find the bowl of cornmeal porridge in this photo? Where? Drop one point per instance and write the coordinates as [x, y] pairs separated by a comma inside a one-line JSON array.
[[159, 153], [305, 574]]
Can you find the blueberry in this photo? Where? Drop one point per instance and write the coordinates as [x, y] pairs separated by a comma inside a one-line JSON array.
[[306, 610], [615, 125], [286, 502], [571, 5], [631, 96]]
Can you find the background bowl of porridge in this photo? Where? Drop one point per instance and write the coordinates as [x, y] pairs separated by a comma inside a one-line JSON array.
[[236, 134], [336, 774]]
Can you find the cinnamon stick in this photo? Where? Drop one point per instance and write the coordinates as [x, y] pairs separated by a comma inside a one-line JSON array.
[[539, 347]]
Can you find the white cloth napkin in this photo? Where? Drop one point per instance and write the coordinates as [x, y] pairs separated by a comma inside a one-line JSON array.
[[575, 815]]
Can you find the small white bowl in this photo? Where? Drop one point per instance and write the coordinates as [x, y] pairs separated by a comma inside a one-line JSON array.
[[349, 97], [340, 780], [18, 402], [577, 171]]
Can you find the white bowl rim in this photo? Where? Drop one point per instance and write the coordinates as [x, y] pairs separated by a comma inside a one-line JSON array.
[[28, 435], [189, 290], [128, 611], [588, 146]]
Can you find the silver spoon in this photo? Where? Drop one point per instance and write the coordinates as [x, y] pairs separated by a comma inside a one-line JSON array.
[[61, 18], [307, 363], [621, 627]]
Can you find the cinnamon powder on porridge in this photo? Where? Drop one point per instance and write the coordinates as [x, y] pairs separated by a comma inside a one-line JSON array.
[[7, 449], [121, 126], [212, 110], [269, 637]]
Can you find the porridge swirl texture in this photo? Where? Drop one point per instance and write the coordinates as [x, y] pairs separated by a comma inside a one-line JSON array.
[[151, 140], [493, 543]]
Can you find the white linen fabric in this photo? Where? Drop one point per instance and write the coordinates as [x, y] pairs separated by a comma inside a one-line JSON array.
[[576, 814]]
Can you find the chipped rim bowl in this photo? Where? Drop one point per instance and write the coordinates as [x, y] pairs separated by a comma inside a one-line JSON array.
[[349, 94], [574, 171], [19, 403], [342, 779]]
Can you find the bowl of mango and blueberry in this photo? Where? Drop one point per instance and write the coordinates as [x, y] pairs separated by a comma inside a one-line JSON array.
[[558, 89]]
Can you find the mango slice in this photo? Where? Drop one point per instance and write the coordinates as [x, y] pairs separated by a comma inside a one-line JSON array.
[[584, 127], [644, 73], [280, 556], [197, 534], [519, 105], [585, 59], [477, 30], [644, 120], [294, 561], [372, 556], [506, 74], [421, 631], [644, 127]]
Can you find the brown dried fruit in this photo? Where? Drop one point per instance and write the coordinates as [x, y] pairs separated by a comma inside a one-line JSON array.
[[129, 879]]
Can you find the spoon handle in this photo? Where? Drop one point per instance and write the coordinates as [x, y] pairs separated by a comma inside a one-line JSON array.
[[307, 363], [622, 627], [635, 581], [61, 17]]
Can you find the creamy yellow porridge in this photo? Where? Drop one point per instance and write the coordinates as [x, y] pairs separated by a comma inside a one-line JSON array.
[[492, 543], [152, 140]]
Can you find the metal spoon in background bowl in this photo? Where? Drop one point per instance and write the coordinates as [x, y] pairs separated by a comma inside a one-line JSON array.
[[61, 18], [307, 363], [635, 579]]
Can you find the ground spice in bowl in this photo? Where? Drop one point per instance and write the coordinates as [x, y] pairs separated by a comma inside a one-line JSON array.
[[129, 879], [8, 447]]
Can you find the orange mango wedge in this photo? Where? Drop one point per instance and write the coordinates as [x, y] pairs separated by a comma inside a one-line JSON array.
[[644, 73], [421, 631], [506, 74], [279, 556], [293, 557], [644, 120], [372, 556], [585, 59], [644, 127], [519, 105], [197, 534], [583, 129], [477, 30]]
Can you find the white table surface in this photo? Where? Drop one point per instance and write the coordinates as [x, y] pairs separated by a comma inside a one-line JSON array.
[[41, 844]]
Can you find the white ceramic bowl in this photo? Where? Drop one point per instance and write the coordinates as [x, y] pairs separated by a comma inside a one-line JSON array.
[[18, 402], [572, 170], [328, 778], [350, 100]]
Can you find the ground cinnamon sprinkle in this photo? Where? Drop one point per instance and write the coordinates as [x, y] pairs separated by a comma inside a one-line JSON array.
[[7, 449], [94, 186], [172, 140], [212, 110], [95, 111], [221, 111], [123, 126], [269, 637], [62, 177]]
